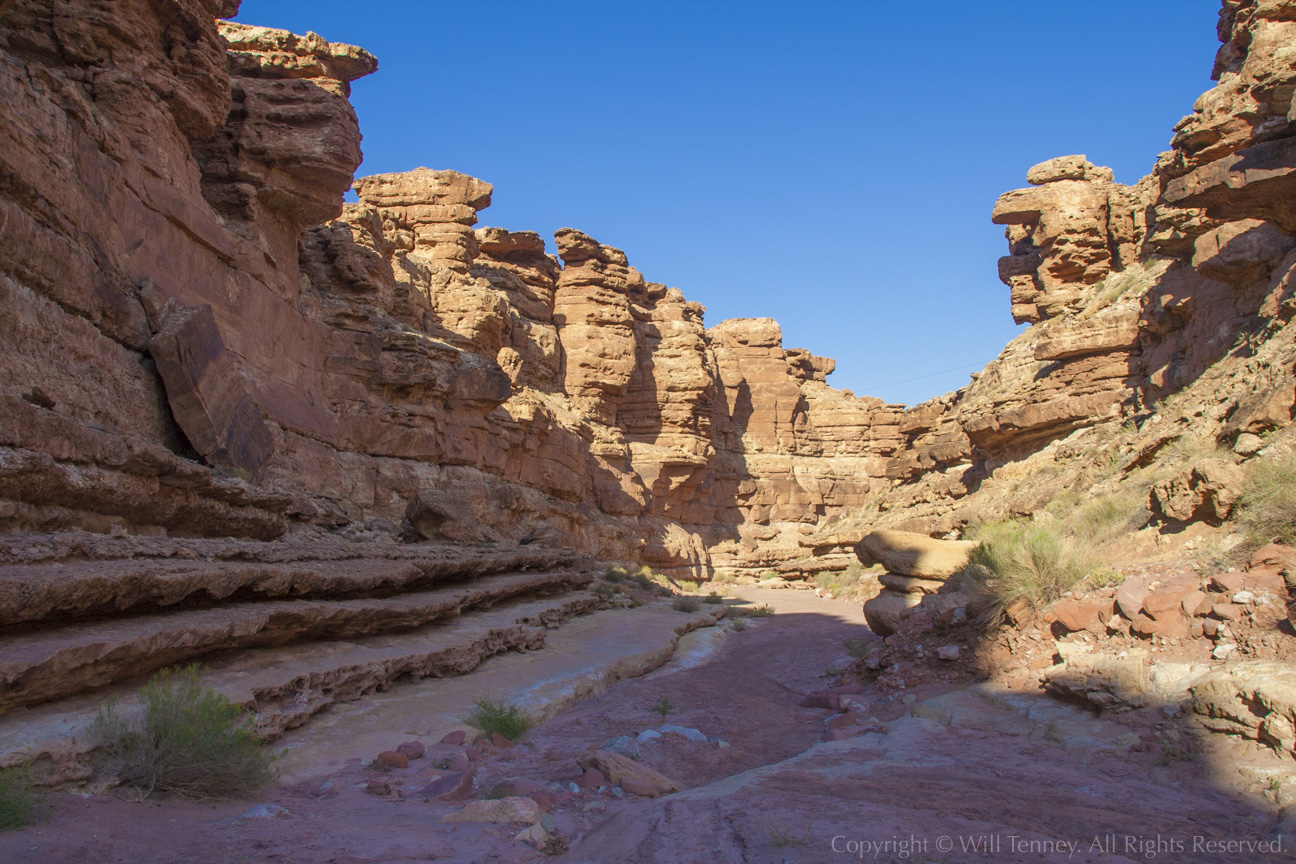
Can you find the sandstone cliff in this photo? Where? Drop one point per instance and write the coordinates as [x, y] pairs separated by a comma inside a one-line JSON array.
[[203, 340], [1159, 318]]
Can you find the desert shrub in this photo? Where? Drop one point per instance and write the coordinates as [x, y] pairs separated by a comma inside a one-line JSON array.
[[843, 584], [190, 741], [684, 603], [1268, 501], [20, 806], [664, 707], [605, 590], [615, 574], [1025, 562], [738, 625], [1104, 577], [762, 611], [856, 648], [496, 715], [724, 577], [1108, 516], [1100, 520], [713, 598]]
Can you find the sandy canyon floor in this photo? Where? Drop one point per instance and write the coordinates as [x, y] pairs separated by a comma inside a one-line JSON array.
[[951, 770]]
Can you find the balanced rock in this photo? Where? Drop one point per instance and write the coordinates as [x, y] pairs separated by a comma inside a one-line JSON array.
[[883, 611], [912, 554], [910, 584]]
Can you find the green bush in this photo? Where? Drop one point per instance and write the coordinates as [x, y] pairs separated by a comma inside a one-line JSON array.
[[684, 603], [1268, 502], [1025, 562], [20, 806], [714, 598], [190, 741], [496, 715], [664, 707]]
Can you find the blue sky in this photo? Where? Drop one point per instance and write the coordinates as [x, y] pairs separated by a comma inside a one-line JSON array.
[[829, 164]]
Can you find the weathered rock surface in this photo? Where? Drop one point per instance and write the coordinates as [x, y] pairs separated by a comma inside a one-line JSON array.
[[915, 555], [1256, 700], [634, 777], [203, 340], [1208, 490]]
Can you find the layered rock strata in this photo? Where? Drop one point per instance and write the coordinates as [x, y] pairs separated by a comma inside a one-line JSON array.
[[239, 353], [918, 568], [1159, 323]]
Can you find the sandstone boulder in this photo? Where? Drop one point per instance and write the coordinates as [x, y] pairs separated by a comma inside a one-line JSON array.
[[1241, 252], [442, 514], [632, 776], [1074, 616], [910, 584], [497, 810], [917, 555], [1207, 490], [207, 393], [1256, 700], [883, 612]]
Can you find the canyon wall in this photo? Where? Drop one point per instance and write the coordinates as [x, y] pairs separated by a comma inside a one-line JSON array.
[[202, 339]]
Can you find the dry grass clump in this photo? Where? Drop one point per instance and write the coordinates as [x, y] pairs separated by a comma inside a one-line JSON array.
[[857, 648], [20, 806], [190, 741], [685, 603], [1030, 563], [1268, 502]]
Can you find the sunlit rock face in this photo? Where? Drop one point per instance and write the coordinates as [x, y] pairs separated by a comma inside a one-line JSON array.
[[203, 338]]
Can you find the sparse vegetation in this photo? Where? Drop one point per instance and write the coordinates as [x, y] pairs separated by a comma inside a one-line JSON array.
[[724, 577], [738, 625], [714, 598], [856, 648], [1105, 576], [762, 611], [1021, 562], [20, 805], [190, 741], [685, 603], [1268, 502], [664, 707], [851, 583], [780, 836], [496, 715]]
